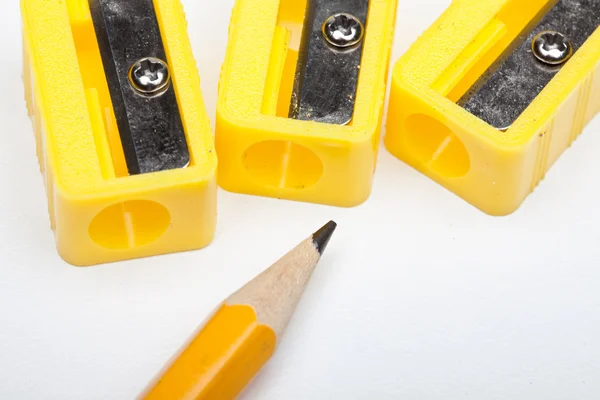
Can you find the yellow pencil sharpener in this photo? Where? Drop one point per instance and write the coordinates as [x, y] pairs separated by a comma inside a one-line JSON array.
[[123, 140], [301, 98], [490, 96]]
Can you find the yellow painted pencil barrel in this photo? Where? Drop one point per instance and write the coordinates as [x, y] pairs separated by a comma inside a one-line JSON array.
[[219, 362], [241, 336]]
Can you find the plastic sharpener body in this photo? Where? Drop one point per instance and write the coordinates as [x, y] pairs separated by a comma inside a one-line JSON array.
[[262, 150], [98, 210], [492, 167]]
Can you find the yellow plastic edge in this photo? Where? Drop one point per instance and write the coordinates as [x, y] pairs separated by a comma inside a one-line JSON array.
[[96, 217], [219, 361], [274, 156], [493, 170]]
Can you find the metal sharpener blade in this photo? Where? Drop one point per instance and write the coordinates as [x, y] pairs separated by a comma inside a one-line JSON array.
[[516, 79], [327, 72], [149, 122]]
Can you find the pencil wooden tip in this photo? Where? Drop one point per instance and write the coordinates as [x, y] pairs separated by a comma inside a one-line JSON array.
[[322, 236]]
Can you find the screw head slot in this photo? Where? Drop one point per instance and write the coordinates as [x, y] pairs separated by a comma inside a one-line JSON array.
[[150, 76], [552, 48], [343, 30]]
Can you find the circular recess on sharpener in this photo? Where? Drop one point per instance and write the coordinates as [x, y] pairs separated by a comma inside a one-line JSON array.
[[129, 224], [435, 147]]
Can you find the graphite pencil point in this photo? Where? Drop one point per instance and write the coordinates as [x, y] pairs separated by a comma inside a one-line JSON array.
[[322, 236]]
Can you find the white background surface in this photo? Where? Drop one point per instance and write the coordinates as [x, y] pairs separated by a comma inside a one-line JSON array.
[[420, 295]]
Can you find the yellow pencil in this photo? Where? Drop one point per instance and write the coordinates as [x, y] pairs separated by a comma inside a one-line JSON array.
[[230, 349]]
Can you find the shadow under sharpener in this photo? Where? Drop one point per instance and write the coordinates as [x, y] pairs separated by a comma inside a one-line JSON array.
[[452, 117], [271, 140], [103, 205]]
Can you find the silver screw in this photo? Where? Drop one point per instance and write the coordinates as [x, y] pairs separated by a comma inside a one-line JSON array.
[[552, 47], [343, 30], [150, 76]]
